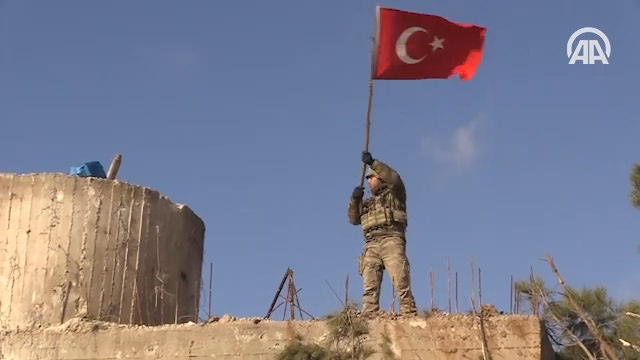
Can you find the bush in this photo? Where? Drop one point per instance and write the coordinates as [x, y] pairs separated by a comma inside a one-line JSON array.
[[345, 341]]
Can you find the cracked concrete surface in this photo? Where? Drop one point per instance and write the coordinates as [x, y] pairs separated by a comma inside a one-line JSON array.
[[104, 249]]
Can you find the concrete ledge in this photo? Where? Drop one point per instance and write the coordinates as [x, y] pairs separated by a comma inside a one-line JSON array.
[[439, 337]]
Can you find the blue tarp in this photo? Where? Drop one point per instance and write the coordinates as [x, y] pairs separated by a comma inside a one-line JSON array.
[[89, 169]]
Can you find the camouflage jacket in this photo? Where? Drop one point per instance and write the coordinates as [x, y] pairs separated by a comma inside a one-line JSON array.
[[386, 209]]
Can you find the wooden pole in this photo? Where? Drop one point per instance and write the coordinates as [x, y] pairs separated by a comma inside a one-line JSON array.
[[366, 132], [292, 291], [275, 298], [370, 98]]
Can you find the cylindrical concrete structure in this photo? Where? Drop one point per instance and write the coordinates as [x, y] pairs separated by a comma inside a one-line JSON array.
[[73, 246]]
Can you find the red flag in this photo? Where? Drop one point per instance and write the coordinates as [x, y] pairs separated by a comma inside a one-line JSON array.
[[412, 46]]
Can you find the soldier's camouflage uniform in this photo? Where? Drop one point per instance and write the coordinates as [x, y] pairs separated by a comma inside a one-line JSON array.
[[383, 219]]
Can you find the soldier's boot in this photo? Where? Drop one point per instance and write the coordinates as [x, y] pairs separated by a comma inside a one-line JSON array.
[[407, 304]]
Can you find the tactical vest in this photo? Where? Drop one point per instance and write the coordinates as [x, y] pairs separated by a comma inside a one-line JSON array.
[[383, 210]]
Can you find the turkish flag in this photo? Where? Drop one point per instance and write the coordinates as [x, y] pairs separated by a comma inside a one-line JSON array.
[[411, 46]]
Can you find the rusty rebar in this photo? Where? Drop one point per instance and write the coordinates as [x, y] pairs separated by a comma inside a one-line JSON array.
[[431, 284], [449, 284], [457, 309], [511, 295], [480, 286], [210, 287]]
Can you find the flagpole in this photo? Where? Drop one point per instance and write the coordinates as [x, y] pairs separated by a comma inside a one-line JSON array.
[[368, 118], [366, 132]]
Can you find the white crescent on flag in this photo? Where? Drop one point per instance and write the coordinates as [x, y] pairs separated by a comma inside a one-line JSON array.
[[401, 45]]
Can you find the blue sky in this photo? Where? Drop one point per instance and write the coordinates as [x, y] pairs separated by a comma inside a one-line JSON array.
[[252, 113]]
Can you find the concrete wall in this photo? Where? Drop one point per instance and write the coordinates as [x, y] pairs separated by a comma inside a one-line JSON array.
[[81, 259], [436, 338], [105, 249]]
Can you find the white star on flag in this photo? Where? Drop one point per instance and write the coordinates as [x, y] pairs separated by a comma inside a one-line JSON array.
[[436, 43]]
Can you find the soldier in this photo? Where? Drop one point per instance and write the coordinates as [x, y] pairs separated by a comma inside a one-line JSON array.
[[383, 219]]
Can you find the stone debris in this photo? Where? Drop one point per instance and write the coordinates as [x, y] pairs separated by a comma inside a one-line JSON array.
[[80, 325], [84, 324], [227, 318], [212, 319]]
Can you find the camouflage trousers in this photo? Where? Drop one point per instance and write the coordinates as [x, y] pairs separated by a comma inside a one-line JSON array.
[[386, 252]]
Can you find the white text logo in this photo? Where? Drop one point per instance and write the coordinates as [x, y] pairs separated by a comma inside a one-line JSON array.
[[588, 50]]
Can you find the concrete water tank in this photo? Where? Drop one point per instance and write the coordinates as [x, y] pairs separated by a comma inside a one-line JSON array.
[[97, 248]]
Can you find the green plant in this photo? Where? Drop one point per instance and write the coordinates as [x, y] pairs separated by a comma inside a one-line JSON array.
[[346, 337], [346, 332], [297, 350]]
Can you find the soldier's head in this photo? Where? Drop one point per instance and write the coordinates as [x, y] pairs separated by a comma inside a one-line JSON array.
[[373, 179]]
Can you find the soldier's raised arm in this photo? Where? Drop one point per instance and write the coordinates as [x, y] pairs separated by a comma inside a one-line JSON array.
[[355, 201], [386, 173]]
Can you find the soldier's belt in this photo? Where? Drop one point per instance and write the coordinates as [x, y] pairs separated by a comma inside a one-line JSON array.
[[380, 230]]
